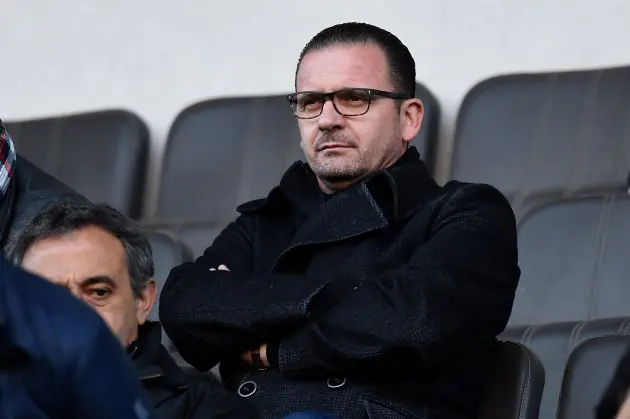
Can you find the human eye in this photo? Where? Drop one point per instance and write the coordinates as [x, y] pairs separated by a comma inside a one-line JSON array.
[[99, 293]]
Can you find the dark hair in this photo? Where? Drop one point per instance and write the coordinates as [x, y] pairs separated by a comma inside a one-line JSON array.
[[61, 218], [401, 63]]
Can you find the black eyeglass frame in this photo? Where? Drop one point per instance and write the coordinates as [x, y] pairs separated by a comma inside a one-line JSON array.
[[371, 93]]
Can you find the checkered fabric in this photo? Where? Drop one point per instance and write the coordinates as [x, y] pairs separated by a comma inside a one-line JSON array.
[[7, 159]]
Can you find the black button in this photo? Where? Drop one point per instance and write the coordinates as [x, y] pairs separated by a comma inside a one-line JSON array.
[[336, 382], [247, 389]]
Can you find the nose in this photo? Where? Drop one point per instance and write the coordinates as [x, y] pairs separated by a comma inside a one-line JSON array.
[[330, 119]]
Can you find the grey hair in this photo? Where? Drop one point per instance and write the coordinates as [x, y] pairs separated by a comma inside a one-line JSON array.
[[61, 218]]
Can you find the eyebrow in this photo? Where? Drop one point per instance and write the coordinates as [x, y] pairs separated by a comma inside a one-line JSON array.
[[99, 279]]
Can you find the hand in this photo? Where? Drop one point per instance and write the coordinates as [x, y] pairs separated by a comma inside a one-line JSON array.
[[247, 355], [220, 268]]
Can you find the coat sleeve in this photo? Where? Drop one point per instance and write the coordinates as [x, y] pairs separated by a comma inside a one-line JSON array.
[[105, 383], [454, 294], [213, 315]]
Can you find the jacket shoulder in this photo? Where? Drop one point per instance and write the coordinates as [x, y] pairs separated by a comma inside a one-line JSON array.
[[35, 189], [276, 202], [32, 179], [480, 204], [483, 194]]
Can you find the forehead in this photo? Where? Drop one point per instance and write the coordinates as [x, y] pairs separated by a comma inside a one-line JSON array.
[[342, 66], [80, 254]]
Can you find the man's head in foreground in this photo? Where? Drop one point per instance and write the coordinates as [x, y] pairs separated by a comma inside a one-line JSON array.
[[98, 255], [355, 87]]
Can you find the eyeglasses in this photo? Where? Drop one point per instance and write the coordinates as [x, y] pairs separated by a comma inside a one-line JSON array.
[[347, 102]]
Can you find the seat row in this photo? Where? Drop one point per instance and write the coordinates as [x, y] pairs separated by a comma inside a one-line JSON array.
[[553, 370], [518, 388], [557, 144], [534, 136], [574, 284]]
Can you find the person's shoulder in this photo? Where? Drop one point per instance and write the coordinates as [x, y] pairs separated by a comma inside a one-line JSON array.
[[476, 204], [31, 178], [35, 190], [476, 194]]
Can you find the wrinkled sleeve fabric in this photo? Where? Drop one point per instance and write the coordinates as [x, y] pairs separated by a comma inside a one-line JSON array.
[[456, 291], [210, 315]]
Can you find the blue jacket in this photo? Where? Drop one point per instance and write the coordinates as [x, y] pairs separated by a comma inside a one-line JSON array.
[[58, 359]]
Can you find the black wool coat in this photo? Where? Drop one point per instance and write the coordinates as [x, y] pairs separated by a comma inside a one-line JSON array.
[[380, 301], [176, 394]]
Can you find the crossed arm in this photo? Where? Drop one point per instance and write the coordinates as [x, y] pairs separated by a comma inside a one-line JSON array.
[[456, 288]]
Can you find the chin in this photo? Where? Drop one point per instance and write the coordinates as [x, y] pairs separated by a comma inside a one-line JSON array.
[[340, 175]]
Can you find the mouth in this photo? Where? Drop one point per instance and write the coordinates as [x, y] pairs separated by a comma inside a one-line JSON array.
[[333, 146]]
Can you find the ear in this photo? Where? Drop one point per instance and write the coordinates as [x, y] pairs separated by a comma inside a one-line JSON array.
[[145, 301], [411, 115]]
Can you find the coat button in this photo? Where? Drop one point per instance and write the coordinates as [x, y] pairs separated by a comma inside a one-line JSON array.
[[247, 389], [336, 382]]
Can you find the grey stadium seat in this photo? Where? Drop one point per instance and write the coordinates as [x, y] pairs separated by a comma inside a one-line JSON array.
[[528, 133], [427, 139], [588, 374], [516, 385], [574, 260], [102, 155], [168, 252], [221, 153], [553, 343]]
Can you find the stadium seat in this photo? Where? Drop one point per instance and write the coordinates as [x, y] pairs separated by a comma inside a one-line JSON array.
[[221, 153], [168, 252], [102, 155], [574, 260], [427, 139], [553, 344], [588, 373], [516, 385], [555, 132]]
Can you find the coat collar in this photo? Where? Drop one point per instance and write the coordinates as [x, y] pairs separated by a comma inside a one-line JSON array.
[[388, 196], [394, 192], [154, 366]]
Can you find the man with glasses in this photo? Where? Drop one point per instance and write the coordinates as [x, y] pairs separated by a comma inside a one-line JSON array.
[[358, 288]]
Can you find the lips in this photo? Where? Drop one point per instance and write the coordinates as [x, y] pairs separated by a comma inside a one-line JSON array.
[[332, 146]]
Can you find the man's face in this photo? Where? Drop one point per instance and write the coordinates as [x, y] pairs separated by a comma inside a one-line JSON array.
[[362, 144], [624, 411], [92, 264]]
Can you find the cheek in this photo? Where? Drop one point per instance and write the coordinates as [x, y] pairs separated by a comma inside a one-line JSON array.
[[308, 134], [378, 134]]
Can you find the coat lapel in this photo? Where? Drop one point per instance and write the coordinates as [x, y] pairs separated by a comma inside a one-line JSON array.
[[387, 196], [350, 213]]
